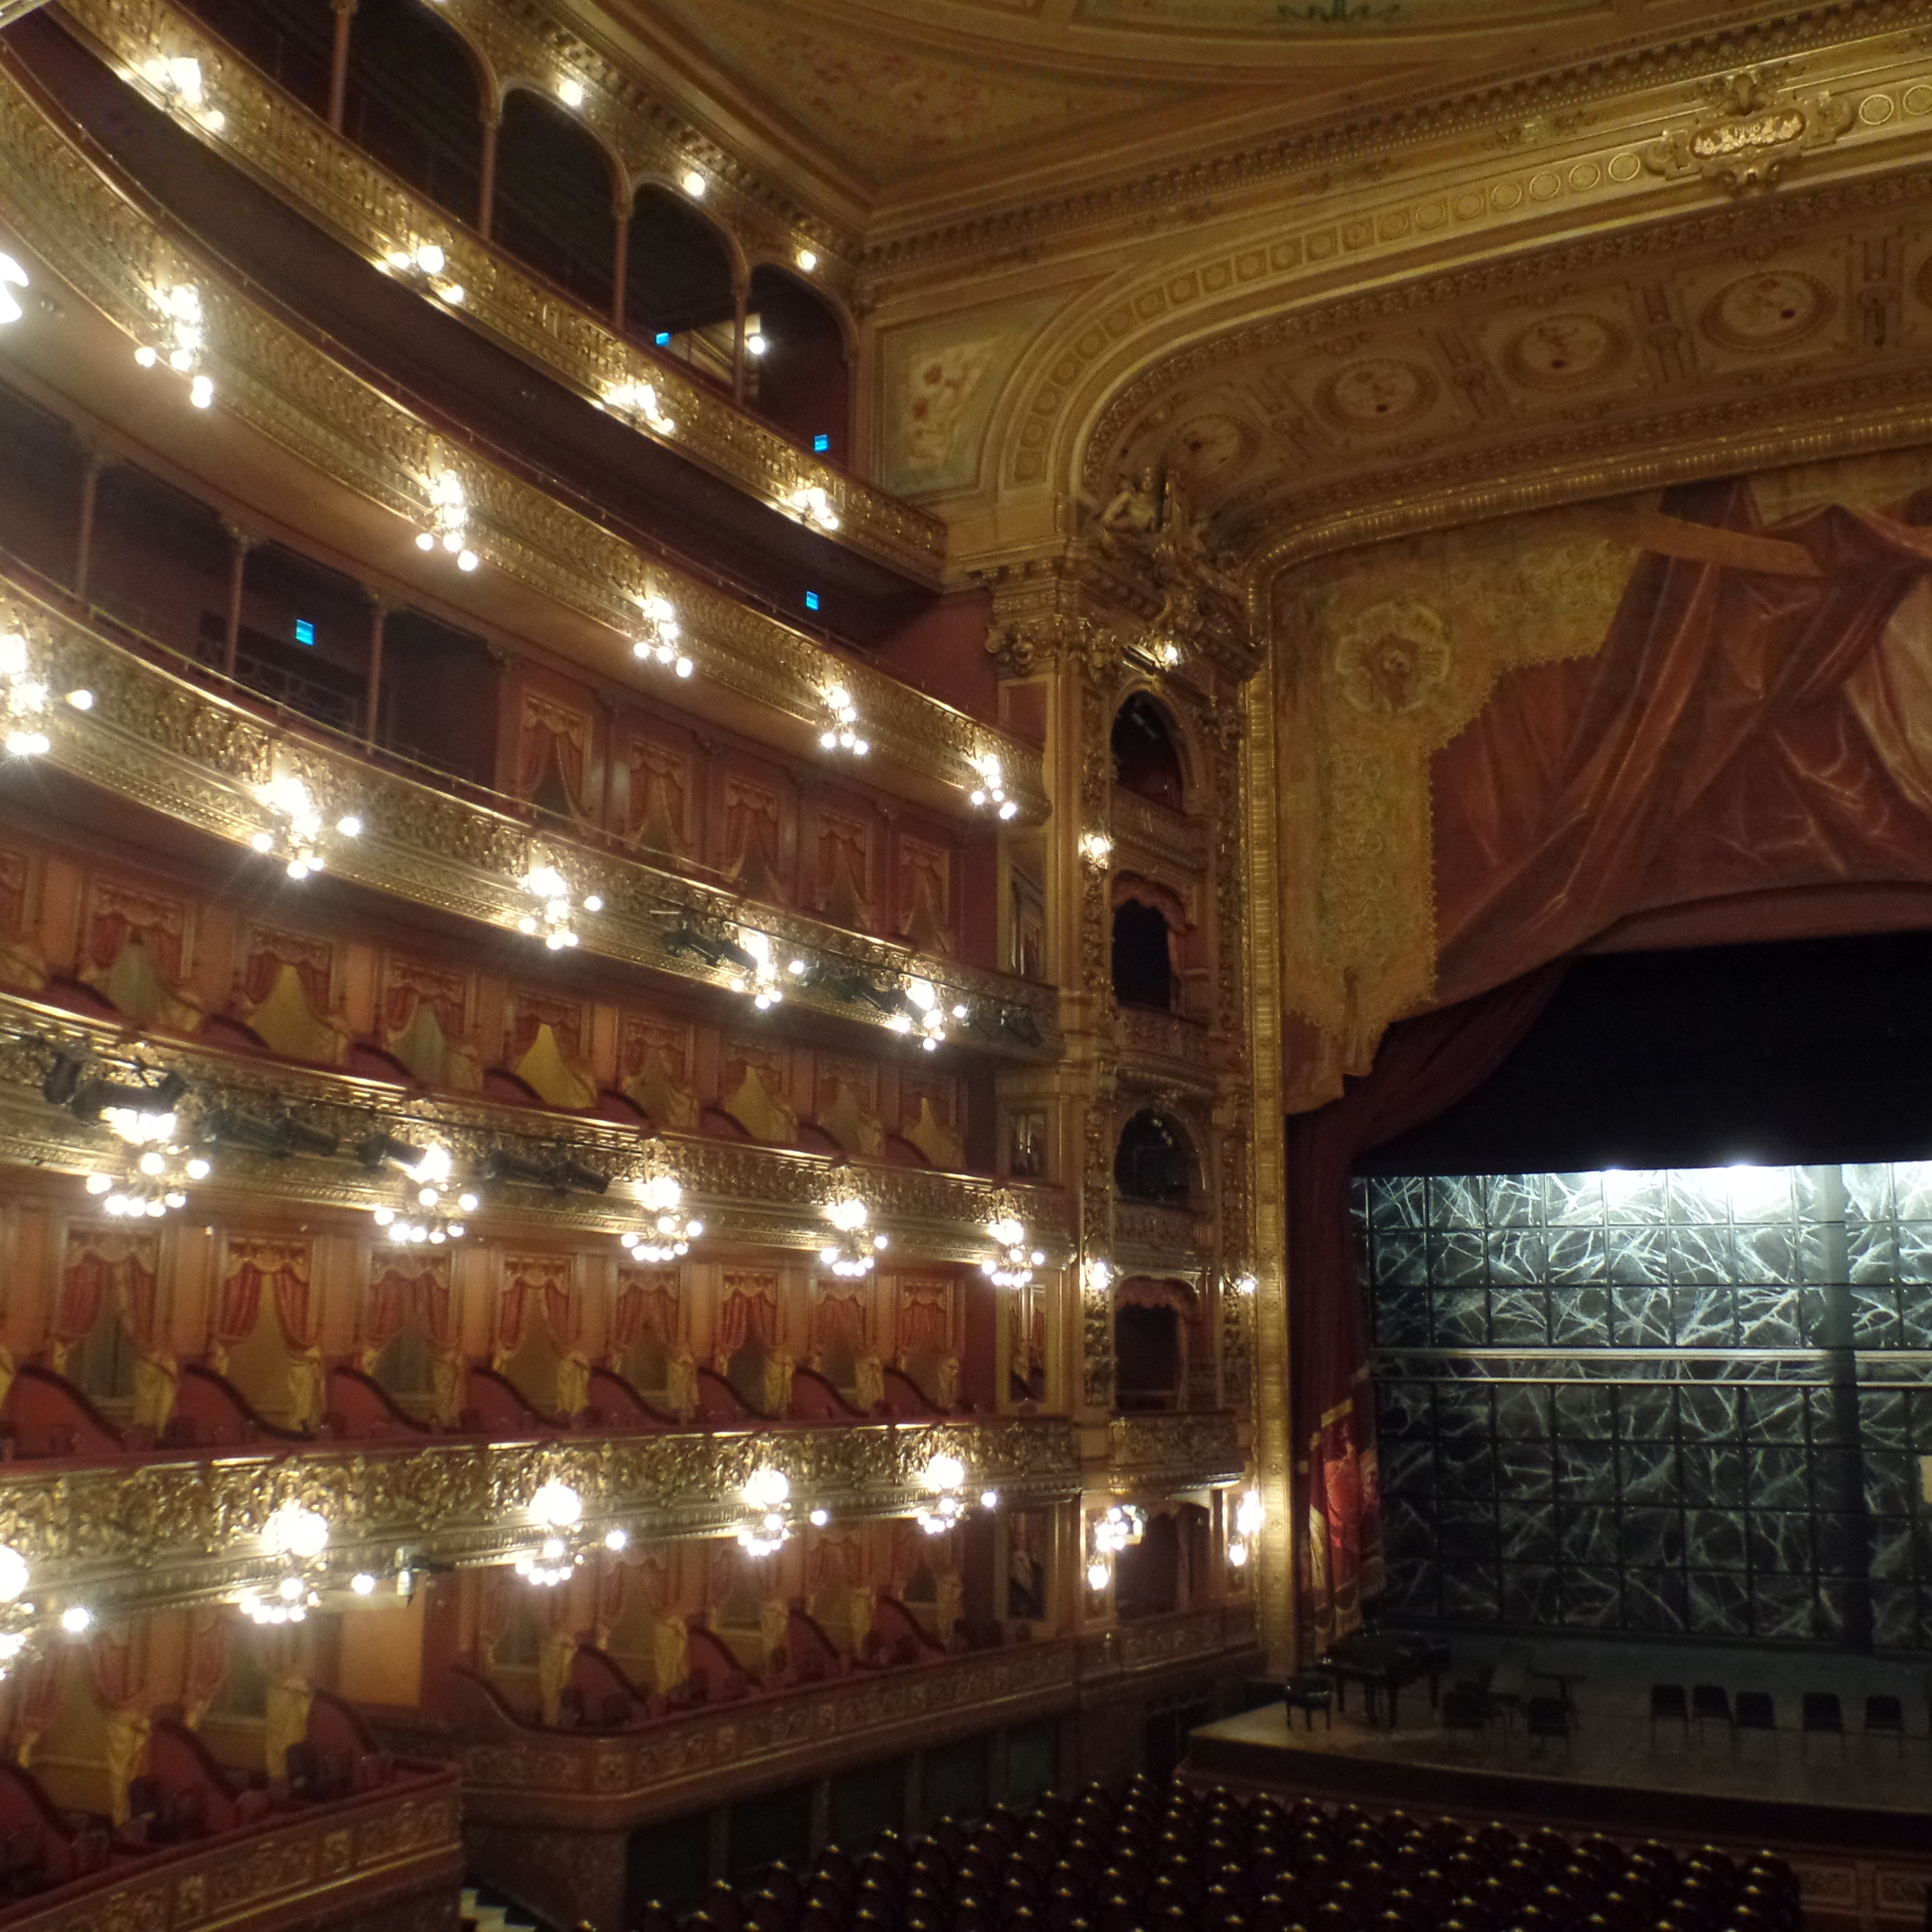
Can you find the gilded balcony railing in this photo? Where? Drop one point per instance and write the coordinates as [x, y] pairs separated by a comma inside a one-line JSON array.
[[270, 375], [147, 1530], [284, 145], [343, 1862], [160, 740]]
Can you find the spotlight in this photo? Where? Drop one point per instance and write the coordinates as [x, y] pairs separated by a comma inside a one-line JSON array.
[[279, 1139]]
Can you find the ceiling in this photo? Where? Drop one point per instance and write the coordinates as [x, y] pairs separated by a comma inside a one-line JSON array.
[[909, 99]]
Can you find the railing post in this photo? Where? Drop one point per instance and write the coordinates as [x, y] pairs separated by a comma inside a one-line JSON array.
[[338, 68], [486, 184], [243, 542], [620, 270], [90, 488], [741, 295], [379, 613]]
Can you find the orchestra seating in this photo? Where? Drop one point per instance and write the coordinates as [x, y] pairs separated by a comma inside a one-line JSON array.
[[1173, 1858]]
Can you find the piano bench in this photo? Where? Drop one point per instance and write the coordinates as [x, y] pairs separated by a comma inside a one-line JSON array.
[[1308, 1695]]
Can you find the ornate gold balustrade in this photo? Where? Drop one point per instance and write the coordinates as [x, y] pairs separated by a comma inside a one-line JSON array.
[[1158, 1454], [1139, 826], [272, 376], [1169, 1239], [325, 1864], [772, 1197], [169, 745], [287, 147], [146, 1532], [520, 1774], [1157, 1644]]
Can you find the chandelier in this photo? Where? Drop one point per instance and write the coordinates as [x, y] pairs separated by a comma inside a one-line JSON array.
[[761, 978], [449, 520], [24, 697], [297, 1537], [12, 276], [428, 1214], [1250, 1519], [669, 1236], [1013, 1266], [1121, 1527], [179, 82], [160, 1171], [182, 337], [659, 642], [639, 401], [842, 734], [17, 1615], [424, 262], [298, 837], [853, 1253], [945, 1479], [551, 890], [922, 1013], [765, 1529], [811, 501], [990, 792]]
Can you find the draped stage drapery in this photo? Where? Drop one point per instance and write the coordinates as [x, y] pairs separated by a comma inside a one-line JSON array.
[[1748, 755]]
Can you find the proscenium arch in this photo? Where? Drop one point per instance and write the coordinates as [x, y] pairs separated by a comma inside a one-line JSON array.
[[1083, 392]]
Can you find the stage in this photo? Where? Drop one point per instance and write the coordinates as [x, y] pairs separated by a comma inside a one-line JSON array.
[[1852, 1818]]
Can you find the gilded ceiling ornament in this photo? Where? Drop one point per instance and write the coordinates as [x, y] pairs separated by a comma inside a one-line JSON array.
[[1754, 139]]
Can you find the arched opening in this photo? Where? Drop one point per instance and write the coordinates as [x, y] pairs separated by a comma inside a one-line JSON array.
[[678, 292], [556, 192], [1144, 974], [1146, 753], [289, 41], [1153, 1162], [414, 101], [795, 370]]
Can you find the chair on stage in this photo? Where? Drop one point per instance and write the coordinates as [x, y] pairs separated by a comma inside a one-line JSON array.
[[1711, 1704], [1546, 1717], [1308, 1695], [1756, 1712], [1823, 1712], [1667, 1703], [1885, 1714]]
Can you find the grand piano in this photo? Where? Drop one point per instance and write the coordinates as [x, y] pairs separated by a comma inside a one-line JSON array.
[[1381, 1666]]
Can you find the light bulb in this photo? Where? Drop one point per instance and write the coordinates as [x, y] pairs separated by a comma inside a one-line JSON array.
[[363, 1584], [693, 184]]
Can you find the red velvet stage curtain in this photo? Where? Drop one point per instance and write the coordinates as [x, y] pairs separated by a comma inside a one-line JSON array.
[[1743, 730], [1424, 1065]]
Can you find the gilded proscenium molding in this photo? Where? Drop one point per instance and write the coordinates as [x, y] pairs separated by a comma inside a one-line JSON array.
[[325, 1864], [283, 144], [157, 740], [769, 1196], [1158, 1454], [164, 1531], [518, 1774], [274, 379]]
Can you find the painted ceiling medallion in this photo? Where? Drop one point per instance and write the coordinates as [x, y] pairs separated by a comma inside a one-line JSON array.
[[1378, 394], [1208, 445], [1776, 308], [1561, 350]]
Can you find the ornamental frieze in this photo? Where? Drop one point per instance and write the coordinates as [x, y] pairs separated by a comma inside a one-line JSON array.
[[178, 1531], [200, 760], [1149, 1453]]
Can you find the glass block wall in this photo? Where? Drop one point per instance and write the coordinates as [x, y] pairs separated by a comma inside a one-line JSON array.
[[1662, 1401]]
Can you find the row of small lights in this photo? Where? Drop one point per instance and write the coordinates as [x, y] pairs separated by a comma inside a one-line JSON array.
[[297, 1538], [300, 830], [181, 340]]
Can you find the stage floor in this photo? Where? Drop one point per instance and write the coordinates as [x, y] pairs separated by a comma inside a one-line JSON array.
[[1867, 1792]]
